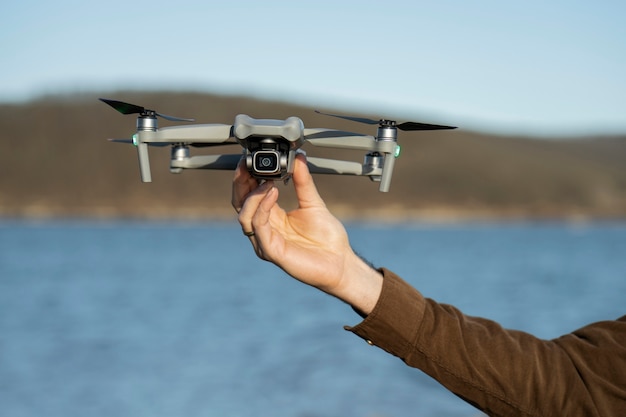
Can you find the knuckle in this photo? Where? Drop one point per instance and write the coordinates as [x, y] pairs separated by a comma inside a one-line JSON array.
[[240, 219]]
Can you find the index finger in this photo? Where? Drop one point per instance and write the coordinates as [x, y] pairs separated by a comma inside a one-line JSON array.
[[243, 184]]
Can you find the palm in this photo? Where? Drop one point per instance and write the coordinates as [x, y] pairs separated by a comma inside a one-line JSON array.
[[307, 243]]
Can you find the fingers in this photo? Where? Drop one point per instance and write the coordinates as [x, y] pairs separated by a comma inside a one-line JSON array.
[[304, 185], [250, 204], [246, 198], [259, 213], [262, 223], [243, 184]]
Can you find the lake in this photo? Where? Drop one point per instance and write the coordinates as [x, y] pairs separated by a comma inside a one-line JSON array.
[[155, 319]]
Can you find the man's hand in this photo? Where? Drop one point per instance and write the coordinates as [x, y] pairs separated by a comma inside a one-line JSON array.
[[308, 243]]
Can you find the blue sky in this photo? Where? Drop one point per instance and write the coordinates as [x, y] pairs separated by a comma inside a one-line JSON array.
[[532, 67]]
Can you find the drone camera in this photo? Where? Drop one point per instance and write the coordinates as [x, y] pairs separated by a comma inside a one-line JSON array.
[[266, 162], [268, 158]]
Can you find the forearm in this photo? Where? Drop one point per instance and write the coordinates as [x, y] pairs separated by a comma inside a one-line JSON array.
[[501, 371]]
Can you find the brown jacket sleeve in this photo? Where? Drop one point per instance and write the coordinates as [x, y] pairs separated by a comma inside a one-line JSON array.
[[502, 372]]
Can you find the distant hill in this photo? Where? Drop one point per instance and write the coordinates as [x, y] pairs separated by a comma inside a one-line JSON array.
[[56, 161]]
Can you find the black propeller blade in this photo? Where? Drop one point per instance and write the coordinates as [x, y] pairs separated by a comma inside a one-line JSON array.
[[407, 126], [127, 108]]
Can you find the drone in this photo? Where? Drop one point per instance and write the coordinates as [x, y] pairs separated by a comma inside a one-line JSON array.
[[269, 147]]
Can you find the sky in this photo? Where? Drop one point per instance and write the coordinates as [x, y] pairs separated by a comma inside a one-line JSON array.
[[528, 67]]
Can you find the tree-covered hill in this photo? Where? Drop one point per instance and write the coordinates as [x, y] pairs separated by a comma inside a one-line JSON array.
[[56, 161]]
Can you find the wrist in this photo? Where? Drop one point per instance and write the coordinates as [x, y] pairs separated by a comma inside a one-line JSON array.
[[361, 285]]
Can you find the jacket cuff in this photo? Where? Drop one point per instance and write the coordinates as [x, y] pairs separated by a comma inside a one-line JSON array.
[[394, 322]]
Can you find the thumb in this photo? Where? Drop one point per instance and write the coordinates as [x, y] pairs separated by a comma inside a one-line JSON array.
[[304, 185]]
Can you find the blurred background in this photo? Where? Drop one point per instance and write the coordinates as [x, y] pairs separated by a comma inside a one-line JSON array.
[[536, 90], [131, 299]]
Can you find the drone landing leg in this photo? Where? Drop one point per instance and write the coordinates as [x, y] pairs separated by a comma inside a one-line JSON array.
[[385, 180], [144, 162]]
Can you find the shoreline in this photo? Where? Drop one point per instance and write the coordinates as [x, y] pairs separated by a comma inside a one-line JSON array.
[[390, 216]]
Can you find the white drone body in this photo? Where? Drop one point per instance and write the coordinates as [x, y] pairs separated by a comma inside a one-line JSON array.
[[269, 146]]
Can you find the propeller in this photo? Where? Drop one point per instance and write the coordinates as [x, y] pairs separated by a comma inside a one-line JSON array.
[[407, 126], [127, 108]]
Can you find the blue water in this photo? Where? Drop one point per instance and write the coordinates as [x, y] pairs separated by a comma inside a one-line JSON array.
[[181, 319]]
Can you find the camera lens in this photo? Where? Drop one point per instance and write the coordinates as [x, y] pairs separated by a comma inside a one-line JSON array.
[[266, 162]]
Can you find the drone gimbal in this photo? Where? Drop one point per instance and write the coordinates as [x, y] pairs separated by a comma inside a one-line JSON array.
[[269, 146]]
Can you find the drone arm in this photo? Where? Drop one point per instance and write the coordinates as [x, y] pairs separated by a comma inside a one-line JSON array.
[[333, 166], [318, 137], [316, 165], [339, 139], [224, 162], [207, 133]]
